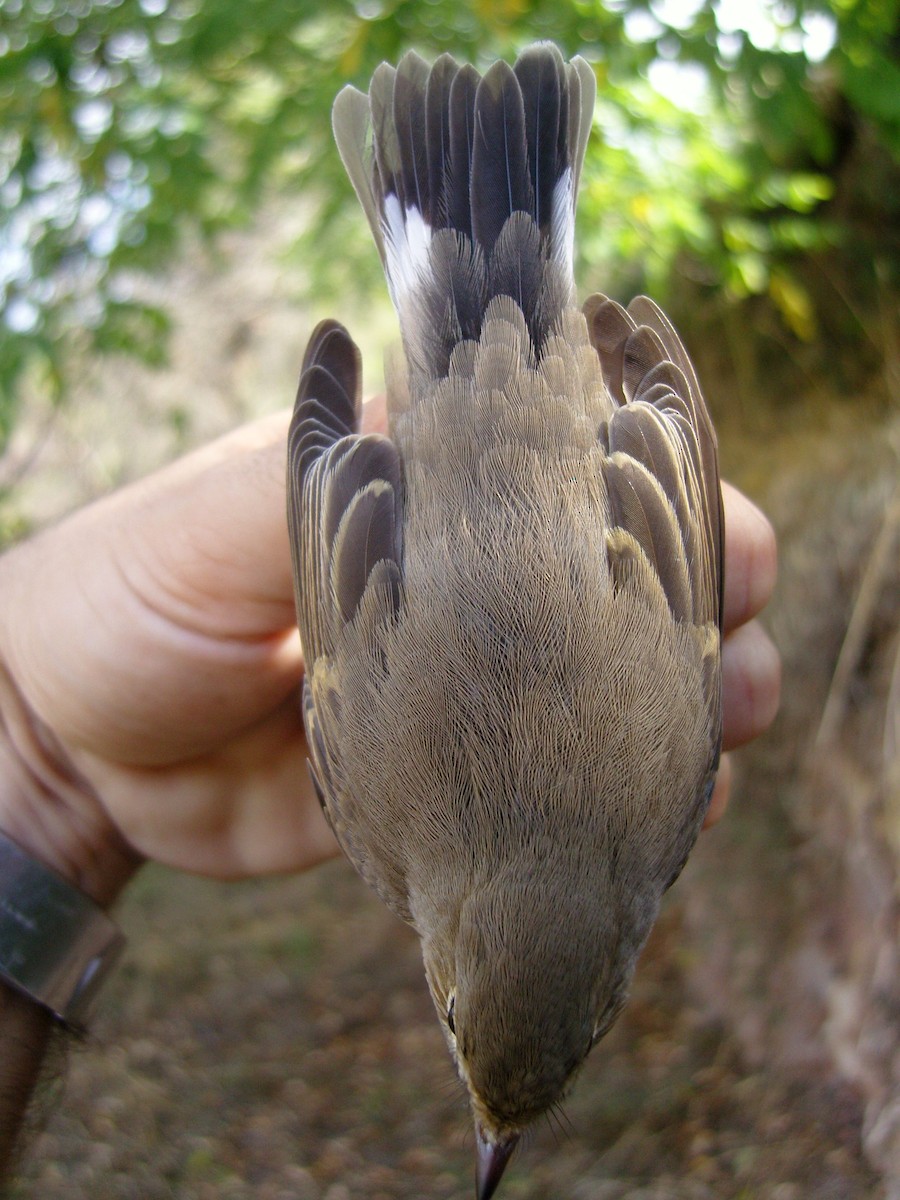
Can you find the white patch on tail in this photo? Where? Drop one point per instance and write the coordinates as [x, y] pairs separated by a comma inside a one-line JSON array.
[[562, 224], [407, 241]]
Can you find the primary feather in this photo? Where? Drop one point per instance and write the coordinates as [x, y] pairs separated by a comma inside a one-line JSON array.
[[510, 608]]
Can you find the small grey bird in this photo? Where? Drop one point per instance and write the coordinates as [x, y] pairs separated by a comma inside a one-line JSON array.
[[511, 607]]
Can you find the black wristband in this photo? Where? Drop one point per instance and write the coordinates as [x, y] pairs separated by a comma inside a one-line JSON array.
[[56, 945]]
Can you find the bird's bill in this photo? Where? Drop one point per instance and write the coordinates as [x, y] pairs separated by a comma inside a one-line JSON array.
[[491, 1161]]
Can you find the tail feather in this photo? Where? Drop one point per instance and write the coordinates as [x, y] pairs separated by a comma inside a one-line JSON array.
[[542, 79], [501, 182], [457, 175], [437, 136], [410, 83], [385, 166], [582, 94], [469, 184]]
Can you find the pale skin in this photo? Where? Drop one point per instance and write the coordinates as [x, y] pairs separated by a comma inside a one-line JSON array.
[[149, 666]]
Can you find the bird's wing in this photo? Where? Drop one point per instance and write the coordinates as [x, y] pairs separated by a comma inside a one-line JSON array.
[[661, 470], [344, 521], [662, 480]]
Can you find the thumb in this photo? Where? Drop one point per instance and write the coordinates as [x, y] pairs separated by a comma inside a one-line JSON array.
[[160, 619], [206, 538]]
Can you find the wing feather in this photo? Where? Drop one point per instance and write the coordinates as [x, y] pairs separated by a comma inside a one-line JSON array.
[[344, 492], [344, 520], [662, 471]]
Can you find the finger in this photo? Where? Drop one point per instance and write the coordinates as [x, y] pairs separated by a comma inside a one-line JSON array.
[[216, 519], [721, 793], [246, 808], [206, 538], [751, 684], [215, 526], [169, 602], [751, 559], [374, 415]]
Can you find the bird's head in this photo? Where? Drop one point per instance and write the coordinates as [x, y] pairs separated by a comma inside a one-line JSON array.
[[526, 978]]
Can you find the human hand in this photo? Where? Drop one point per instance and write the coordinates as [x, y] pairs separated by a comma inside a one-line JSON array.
[[152, 666], [751, 667]]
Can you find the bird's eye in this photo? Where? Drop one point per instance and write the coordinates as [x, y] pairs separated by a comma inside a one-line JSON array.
[[451, 1024]]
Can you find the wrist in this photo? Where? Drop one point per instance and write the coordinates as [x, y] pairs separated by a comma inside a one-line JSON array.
[[50, 811]]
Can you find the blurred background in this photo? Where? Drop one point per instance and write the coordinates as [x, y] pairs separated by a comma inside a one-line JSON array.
[[174, 218]]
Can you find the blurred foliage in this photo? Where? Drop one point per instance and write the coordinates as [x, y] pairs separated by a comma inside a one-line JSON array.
[[745, 166]]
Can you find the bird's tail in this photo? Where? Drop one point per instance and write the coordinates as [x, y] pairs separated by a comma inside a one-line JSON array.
[[469, 184]]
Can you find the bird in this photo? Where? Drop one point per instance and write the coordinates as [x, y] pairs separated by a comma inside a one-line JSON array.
[[510, 605]]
